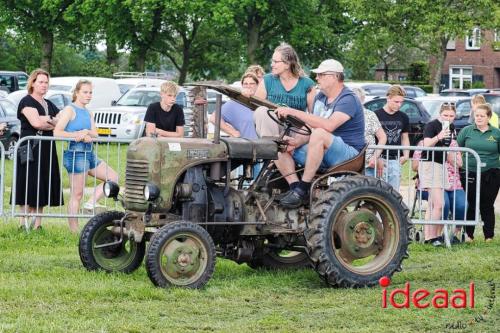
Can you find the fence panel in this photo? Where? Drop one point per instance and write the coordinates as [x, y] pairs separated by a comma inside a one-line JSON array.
[[108, 150], [436, 174]]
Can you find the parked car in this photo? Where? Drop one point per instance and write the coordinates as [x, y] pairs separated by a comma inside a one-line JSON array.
[[11, 81], [413, 92], [58, 97], [462, 104], [128, 83], [372, 89], [414, 109], [494, 100], [105, 90], [8, 115], [454, 92], [125, 119]]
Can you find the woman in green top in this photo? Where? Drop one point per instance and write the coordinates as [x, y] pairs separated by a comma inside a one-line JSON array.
[[485, 140], [286, 85]]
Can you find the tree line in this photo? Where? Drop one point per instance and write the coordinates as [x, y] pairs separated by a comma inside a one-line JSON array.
[[214, 39]]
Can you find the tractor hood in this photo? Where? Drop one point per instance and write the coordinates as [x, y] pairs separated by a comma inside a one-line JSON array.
[[235, 94]]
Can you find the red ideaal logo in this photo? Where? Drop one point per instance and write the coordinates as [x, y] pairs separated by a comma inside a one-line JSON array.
[[422, 298]]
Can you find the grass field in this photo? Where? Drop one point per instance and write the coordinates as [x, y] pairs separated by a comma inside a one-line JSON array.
[[44, 288]]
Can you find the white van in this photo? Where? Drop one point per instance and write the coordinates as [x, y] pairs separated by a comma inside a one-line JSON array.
[[105, 90]]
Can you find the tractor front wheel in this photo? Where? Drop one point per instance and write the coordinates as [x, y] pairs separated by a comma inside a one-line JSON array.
[[123, 257], [181, 254]]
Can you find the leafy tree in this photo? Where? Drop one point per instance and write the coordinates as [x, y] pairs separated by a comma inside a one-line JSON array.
[[43, 18], [381, 35], [419, 71], [437, 21]]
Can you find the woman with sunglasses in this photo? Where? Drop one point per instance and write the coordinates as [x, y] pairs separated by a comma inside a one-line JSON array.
[[286, 85]]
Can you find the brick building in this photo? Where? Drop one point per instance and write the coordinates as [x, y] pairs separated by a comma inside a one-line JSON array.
[[471, 59]]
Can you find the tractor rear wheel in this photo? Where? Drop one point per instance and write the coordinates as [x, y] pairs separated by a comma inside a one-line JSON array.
[[358, 232]]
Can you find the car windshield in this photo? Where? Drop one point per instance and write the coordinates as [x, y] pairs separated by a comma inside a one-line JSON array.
[[494, 100], [125, 87], [463, 109], [146, 97], [59, 87], [432, 107], [139, 98]]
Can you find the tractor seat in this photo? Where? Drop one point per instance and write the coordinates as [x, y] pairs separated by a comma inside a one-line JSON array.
[[239, 148], [355, 164]]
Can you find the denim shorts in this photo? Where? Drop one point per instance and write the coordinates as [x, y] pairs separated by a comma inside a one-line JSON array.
[[80, 161], [338, 152]]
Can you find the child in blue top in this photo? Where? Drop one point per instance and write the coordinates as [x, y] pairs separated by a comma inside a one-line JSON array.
[[79, 158]]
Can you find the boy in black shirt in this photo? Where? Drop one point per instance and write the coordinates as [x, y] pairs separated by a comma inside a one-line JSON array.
[[165, 118], [396, 125]]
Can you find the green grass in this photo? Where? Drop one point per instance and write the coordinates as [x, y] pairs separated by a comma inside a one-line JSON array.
[[44, 288]]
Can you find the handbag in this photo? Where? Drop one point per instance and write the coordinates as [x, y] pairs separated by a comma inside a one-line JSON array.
[[25, 153]]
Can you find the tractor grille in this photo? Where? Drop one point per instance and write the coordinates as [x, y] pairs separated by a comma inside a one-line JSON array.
[[136, 176], [107, 118]]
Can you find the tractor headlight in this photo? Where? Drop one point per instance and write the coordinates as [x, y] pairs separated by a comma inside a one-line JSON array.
[[111, 189], [151, 192]]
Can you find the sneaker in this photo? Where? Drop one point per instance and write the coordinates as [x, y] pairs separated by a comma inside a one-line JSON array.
[[436, 242], [488, 240], [294, 199], [455, 240]]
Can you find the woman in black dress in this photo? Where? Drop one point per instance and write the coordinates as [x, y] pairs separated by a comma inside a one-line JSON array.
[[38, 183]]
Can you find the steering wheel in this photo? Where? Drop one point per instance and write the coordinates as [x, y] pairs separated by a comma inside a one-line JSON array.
[[290, 123]]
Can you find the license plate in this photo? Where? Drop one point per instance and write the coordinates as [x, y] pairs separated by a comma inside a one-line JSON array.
[[104, 131]]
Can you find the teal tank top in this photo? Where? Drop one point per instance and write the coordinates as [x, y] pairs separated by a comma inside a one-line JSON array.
[[81, 122], [296, 98]]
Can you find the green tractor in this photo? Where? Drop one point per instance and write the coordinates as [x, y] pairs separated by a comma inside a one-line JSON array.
[[179, 198]]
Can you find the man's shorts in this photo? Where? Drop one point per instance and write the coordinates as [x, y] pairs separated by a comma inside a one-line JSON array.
[[338, 152], [80, 161]]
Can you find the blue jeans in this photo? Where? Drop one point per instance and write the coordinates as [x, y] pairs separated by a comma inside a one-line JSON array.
[[392, 173], [338, 152], [453, 200]]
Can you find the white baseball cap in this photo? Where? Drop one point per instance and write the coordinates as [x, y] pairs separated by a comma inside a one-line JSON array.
[[329, 65]]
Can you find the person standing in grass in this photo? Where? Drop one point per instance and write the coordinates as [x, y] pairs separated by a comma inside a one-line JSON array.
[[38, 182], [396, 125], [483, 138], [80, 159]]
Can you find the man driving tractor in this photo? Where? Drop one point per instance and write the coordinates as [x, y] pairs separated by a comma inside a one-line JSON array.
[[337, 135]]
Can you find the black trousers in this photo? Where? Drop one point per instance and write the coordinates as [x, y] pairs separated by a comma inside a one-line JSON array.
[[490, 183]]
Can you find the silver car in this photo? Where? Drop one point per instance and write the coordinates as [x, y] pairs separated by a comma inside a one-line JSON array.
[[125, 119]]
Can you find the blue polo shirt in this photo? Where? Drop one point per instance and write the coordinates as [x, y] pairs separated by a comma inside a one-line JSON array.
[[353, 130]]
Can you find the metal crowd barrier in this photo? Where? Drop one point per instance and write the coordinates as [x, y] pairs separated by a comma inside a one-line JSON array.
[[108, 150], [413, 196], [105, 147]]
